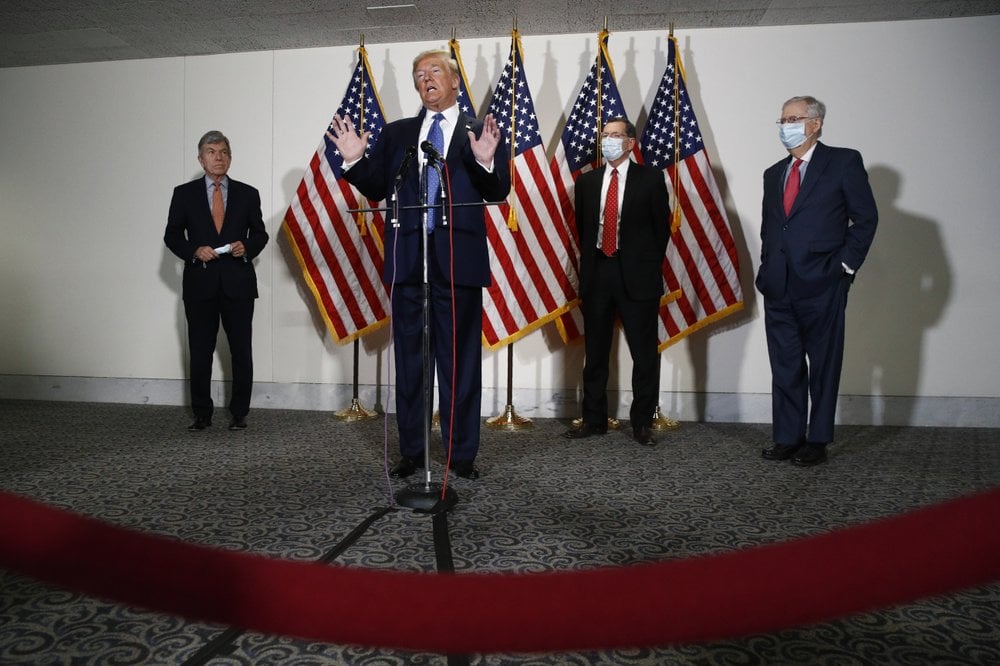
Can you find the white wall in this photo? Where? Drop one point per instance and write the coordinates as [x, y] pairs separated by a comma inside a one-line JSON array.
[[90, 299]]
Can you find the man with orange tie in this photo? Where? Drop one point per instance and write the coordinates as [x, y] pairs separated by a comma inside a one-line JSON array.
[[623, 220], [216, 228], [818, 221]]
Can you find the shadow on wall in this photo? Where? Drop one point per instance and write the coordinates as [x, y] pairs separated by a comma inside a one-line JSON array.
[[901, 292]]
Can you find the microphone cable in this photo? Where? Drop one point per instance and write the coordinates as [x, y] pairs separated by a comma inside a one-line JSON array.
[[391, 351], [446, 184]]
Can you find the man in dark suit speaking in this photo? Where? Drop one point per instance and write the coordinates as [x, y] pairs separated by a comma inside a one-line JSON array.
[[475, 170], [216, 228], [623, 218], [818, 221]]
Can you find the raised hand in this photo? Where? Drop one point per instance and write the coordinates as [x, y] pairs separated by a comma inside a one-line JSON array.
[[343, 135], [485, 147]]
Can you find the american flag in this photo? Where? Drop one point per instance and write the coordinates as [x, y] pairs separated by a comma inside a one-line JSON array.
[[531, 262], [341, 253], [465, 103], [702, 268], [578, 151]]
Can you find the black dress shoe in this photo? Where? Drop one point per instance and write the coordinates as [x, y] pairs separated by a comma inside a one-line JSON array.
[[406, 467], [585, 430], [809, 455], [200, 423], [238, 423], [465, 469], [643, 435], [780, 451]]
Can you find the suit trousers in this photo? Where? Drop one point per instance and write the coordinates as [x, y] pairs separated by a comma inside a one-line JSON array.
[[203, 317], [465, 330], [607, 297], [805, 343]]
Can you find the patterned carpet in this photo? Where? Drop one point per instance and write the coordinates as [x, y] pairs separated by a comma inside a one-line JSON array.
[[296, 483]]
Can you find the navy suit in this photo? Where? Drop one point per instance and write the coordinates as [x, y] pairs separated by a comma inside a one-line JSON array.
[[459, 249], [802, 278], [628, 285], [223, 289]]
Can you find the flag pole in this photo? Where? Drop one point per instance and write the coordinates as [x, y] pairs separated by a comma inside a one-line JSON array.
[[613, 423], [357, 412], [509, 419], [660, 420]]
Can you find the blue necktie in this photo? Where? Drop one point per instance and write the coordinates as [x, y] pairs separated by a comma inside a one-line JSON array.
[[436, 137]]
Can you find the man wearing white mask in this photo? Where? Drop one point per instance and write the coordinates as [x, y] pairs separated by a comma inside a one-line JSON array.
[[623, 220], [818, 222]]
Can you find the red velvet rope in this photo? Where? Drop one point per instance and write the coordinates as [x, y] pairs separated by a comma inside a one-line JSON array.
[[764, 589]]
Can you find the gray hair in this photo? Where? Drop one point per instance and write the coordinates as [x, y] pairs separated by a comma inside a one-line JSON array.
[[814, 107], [213, 136]]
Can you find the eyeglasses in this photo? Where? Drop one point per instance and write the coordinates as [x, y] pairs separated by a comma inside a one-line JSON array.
[[793, 119], [614, 135]]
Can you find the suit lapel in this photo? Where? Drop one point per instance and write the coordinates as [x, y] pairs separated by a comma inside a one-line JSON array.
[[459, 137], [820, 158], [776, 192], [627, 182]]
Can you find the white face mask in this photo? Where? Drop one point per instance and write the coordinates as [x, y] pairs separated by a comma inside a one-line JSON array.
[[792, 135], [611, 148]]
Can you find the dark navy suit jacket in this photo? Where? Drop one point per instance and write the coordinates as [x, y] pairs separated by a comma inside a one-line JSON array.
[[374, 176], [644, 233], [190, 225], [831, 223]]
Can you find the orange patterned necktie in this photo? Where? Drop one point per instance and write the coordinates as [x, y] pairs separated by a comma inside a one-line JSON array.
[[609, 238], [218, 207]]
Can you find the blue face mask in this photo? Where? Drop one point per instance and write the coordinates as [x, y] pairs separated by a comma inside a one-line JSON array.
[[792, 135], [611, 148]]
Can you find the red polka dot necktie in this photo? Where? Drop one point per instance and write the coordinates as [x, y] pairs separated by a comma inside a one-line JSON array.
[[609, 239]]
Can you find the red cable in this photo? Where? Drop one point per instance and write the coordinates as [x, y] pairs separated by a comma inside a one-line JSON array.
[[454, 332]]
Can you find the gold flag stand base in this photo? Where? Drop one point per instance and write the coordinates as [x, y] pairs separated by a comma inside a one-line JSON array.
[[509, 420], [613, 424], [355, 413], [661, 422]]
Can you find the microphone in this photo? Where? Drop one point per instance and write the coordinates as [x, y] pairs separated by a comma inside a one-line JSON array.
[[408, 155], [431, 152]]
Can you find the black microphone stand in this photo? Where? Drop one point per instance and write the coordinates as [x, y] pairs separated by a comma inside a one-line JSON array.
[[428, 497]]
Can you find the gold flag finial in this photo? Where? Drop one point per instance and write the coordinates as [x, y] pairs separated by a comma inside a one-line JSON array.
[[671, 29]]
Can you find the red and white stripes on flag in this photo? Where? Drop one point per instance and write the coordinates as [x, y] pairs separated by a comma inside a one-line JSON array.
[[578, 151], [702, 267], [341, 253], [532, 268]]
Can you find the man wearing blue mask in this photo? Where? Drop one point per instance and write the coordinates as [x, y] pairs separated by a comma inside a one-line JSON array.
[[623, 220], [818, 221]]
